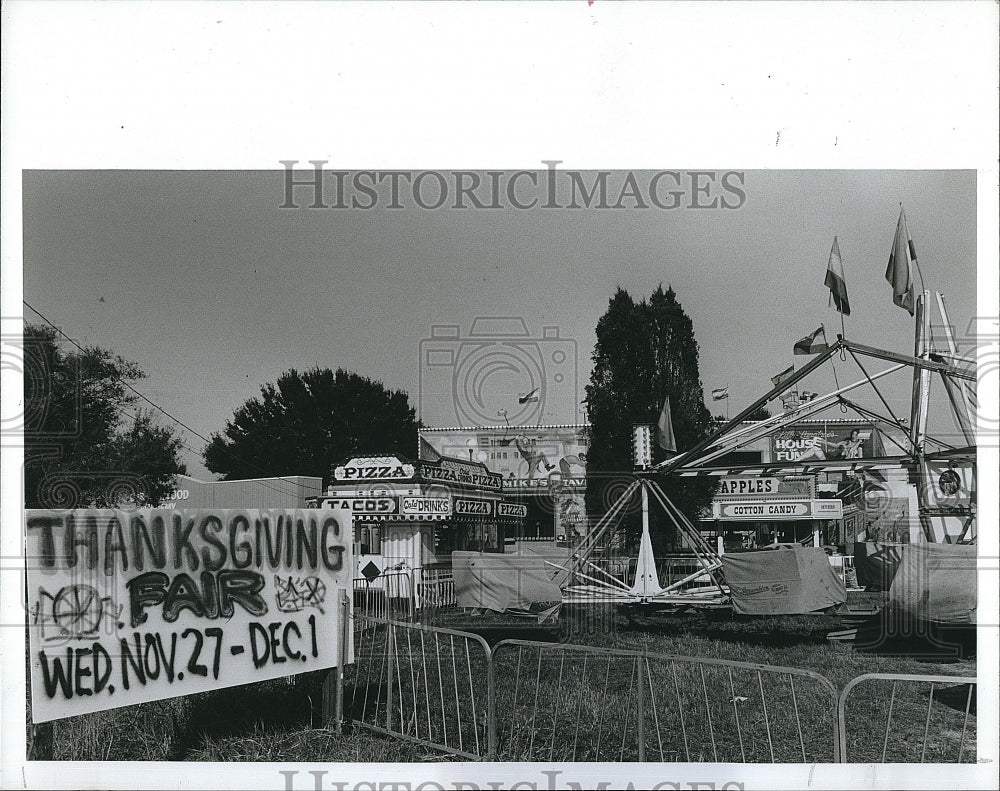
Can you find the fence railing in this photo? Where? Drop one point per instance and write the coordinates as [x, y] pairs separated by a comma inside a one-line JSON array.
[[577, 703], [425, 684], [525, 700], [905, 718], [435, 589], [389, 595]]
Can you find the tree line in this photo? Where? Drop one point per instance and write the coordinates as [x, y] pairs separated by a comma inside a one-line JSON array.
[[88, 442]]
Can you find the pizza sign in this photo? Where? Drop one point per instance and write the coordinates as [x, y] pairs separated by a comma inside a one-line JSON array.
[[474, 507], [374, 468]]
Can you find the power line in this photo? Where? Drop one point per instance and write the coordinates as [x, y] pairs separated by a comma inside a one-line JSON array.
[[197, 454], [156, 406]]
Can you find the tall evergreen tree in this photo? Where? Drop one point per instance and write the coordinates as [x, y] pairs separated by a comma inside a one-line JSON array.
[[645, 352], [307, 422]]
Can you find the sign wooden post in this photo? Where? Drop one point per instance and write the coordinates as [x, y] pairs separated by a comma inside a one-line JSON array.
[[333, 683]]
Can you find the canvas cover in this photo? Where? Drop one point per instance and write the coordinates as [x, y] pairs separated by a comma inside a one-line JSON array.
[[783, 581], [936, 583], [501, 582], [876, 563]]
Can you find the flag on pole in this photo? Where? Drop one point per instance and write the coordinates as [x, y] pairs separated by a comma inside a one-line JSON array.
[[530, 397], [811, 344], [666, 429], [720, 393], [835, 280], [777, 379], [899, 273]]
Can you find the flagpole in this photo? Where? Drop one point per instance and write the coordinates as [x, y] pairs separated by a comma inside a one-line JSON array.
[[843, 334], [832, 364], [909, 243]]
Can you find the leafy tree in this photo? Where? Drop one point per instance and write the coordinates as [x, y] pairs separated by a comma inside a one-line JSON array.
[[307, 422], [85, 444], [645, 351]]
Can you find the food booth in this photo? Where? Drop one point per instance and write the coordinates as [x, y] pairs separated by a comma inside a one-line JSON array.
[[409, 516]]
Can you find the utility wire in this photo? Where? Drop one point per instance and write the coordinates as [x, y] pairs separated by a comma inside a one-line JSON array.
[[156, 406]]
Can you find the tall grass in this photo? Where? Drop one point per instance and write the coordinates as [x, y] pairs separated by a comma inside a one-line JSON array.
[[563, 717]]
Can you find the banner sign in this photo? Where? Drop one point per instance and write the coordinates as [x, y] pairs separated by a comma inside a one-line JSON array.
[[524, 456], [742, 487], [819, 443], [128, 607], [367, 506], [473, 507], [375, 468], [555, 481], [516, 510], [431, 506], [778, 510], [461, 472]]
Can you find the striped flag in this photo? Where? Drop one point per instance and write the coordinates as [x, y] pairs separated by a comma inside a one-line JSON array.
[[835, 280], [666, 429], [811, 344], [902, 258], [720, 393], [777, 379]]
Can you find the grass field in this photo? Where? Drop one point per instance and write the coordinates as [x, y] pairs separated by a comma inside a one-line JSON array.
[[542, 695]]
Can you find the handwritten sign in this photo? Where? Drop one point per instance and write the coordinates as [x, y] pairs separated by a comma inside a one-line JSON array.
[[127, 607]]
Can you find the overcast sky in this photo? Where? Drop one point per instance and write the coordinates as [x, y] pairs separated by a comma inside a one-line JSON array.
[[214, 290]]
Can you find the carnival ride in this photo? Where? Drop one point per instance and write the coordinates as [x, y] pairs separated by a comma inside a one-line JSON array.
[[931, 464]]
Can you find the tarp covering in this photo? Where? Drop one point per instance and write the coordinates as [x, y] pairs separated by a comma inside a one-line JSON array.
[[502, 582], [783, 581], [936, 583], [545, 549], [876, 563]]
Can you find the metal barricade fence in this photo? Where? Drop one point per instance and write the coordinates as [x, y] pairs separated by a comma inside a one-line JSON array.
[[389, 595], [934, 719], [436, 589], [425, 684], [679, 567], [576, 703], [534, 701]]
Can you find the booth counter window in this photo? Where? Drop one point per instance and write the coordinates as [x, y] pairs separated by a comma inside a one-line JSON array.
[[369, 539]]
